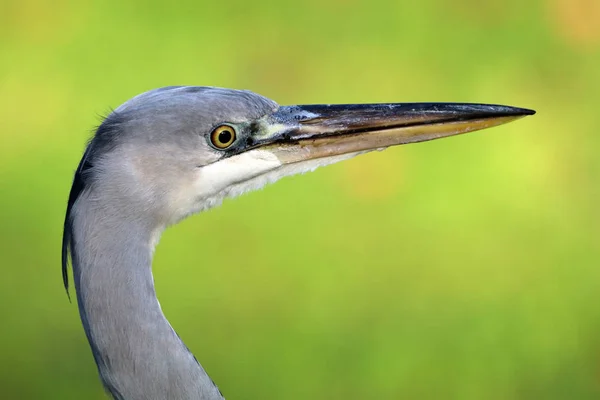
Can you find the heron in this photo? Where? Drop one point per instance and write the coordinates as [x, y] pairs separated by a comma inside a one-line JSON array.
[[175, 151]]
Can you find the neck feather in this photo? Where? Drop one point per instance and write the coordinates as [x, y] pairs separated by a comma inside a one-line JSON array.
[[138, 354]]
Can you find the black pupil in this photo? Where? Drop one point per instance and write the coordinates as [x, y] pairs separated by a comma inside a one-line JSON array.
[[225, 136]]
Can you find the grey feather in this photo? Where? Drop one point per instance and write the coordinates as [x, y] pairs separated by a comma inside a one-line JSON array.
[[115, 214]]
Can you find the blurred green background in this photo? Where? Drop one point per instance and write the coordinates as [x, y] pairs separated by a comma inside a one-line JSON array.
[[465, 268]]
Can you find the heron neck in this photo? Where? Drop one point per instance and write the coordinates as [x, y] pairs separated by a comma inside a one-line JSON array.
[[139, 356]]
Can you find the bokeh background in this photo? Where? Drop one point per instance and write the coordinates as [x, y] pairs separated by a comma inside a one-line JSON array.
[[465, 268]]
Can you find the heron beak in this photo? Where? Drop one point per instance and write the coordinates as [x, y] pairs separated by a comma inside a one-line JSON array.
[[306, 132]]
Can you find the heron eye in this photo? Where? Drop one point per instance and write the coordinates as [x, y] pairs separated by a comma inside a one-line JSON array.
[[222, 136]]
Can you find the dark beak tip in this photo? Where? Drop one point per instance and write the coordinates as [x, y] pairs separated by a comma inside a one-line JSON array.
[[504, 111], [525, 111], [493, 111]]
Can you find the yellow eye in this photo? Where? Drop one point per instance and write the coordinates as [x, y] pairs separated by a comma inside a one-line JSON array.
[[223, 136]]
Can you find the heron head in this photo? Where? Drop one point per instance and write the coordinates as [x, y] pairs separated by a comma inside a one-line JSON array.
[[174, 151]]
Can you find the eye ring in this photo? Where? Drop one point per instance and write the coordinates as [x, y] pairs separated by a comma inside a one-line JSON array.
[[223, 136]]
